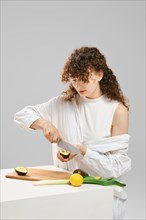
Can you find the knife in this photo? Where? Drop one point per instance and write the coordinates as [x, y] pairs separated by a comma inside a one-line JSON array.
[[67, 146]]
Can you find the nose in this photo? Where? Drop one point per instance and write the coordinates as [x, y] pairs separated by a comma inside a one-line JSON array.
[[79, 83]]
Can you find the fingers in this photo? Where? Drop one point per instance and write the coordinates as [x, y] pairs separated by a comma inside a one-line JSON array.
[[72, 155], [53, 137], [61, 158], [51, 133]]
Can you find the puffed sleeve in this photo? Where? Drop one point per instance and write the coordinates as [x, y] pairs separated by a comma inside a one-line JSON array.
[[25, 117], [111, 164]]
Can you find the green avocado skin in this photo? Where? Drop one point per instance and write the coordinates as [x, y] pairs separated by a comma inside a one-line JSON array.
[[22, 173], [81, 172]]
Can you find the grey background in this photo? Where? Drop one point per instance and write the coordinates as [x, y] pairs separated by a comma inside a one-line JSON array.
[[37, 37]]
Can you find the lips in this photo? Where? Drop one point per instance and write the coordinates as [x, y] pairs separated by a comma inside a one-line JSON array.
[[82, 91]]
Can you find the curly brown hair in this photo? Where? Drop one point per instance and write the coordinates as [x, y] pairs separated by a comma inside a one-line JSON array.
[[77, 66]]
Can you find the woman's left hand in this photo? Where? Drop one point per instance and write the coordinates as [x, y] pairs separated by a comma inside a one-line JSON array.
[[62, 159]]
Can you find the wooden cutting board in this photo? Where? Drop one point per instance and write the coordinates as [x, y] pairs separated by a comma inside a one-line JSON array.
[[40, 174]]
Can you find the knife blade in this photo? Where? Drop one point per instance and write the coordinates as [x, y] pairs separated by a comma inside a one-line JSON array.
[[67, 146]]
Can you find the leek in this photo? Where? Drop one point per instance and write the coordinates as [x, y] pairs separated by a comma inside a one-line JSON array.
[[51, 182], [86, 180], [103, 181]]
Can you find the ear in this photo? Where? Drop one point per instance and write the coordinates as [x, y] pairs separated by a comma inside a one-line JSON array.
[[99, 75]]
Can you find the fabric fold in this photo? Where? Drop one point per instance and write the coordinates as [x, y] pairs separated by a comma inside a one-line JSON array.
[[109, 144]]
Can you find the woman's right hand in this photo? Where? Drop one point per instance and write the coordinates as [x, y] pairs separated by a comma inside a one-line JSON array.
[[51, 132]]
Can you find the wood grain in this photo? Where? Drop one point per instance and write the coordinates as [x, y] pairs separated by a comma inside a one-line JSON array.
[[40, 174]]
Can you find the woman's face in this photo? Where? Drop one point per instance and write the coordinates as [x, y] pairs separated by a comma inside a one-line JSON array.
[[89, 89]]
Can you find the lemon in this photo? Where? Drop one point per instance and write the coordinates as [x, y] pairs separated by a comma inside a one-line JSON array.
[[76, 179]]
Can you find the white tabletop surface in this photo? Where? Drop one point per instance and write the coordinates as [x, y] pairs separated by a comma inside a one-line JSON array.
[[14, 189]]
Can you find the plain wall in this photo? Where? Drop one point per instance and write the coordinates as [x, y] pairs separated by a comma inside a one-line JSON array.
[[36, 39]]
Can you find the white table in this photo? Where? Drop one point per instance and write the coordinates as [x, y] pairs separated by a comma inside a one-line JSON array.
[[21, 200]]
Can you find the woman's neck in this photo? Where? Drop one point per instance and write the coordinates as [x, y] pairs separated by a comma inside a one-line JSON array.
[[95, 95]]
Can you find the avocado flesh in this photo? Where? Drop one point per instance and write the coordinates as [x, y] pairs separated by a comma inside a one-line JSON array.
[[21, 171], [64, 153]]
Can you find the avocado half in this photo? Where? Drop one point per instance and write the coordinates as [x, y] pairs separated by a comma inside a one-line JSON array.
[[21, 170], [64, 153], [81, 172]]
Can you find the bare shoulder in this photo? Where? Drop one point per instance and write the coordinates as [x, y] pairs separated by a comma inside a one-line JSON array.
[[120, 120], [121, 111]]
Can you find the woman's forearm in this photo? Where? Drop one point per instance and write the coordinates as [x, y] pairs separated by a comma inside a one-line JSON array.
[[39, 124], [49, 130]]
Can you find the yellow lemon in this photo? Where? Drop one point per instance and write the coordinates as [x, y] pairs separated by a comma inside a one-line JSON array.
[[76, 179]]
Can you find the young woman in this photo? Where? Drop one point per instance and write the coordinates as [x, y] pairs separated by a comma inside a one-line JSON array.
[[92, 114]]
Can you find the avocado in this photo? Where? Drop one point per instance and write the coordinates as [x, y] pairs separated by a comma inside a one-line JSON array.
[[81, 172], [64, 153], [21, 171]]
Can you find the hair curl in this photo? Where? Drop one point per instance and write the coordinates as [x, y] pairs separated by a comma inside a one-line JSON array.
[[77, 66]]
